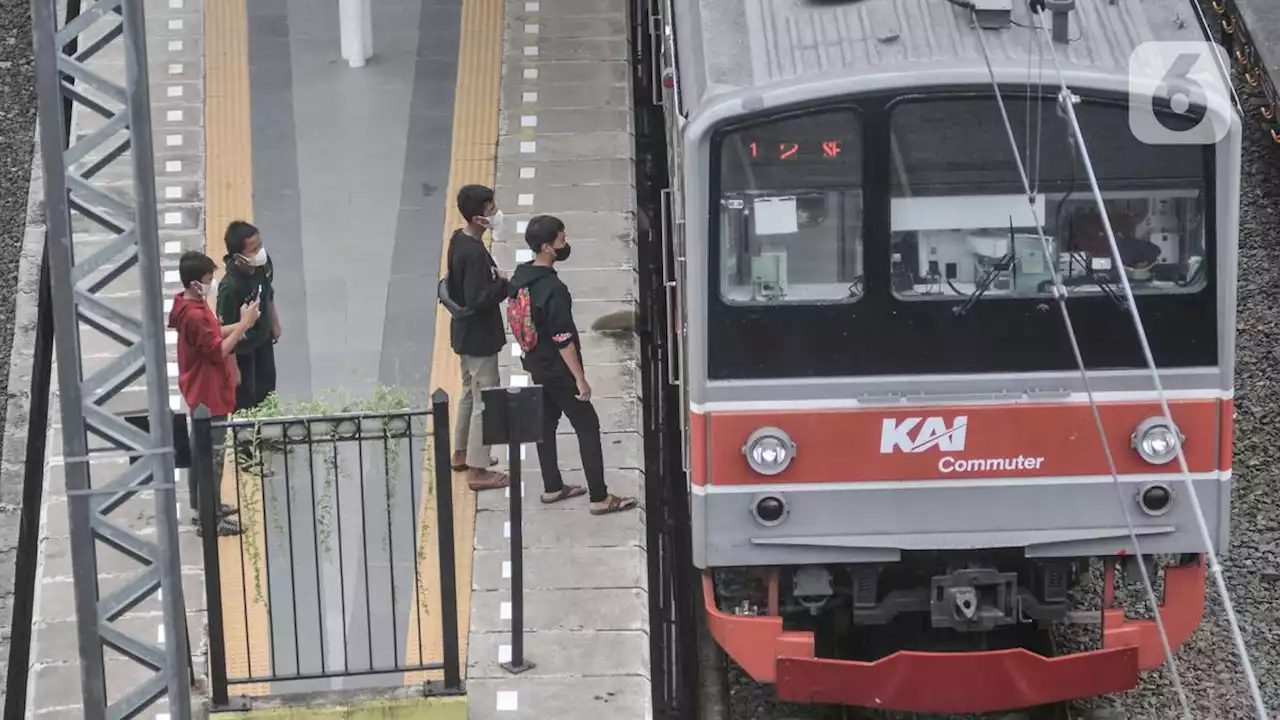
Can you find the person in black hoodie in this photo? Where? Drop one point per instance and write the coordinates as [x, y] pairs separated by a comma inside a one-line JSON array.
[[477, 334], [555, 363]]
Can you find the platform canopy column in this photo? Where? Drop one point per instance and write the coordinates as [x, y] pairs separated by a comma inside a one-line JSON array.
[[355, 26]]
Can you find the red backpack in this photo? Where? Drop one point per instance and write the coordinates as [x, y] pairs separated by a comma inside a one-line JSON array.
[[520, 318]]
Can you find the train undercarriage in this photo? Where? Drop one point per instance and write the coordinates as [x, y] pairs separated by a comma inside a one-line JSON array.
[[977, 625]]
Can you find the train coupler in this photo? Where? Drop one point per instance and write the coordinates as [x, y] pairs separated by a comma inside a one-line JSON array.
[[974, 599]]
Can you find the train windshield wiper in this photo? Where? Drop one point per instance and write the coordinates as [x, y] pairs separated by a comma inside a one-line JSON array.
[[1002, 265], [1096, 278]]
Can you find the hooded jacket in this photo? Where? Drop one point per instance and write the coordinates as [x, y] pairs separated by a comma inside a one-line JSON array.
[[474, 284], [552, 307], [238, 287], [204, 373]]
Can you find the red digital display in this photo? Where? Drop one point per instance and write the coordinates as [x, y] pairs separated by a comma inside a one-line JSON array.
[[774, 151]]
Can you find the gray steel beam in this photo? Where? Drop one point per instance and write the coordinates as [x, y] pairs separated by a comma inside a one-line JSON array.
[[70, 186]]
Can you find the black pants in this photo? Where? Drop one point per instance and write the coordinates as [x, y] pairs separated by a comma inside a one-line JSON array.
[[557, 400], [257, 375]]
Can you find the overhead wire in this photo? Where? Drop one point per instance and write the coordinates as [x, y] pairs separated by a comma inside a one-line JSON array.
[[1060, 294], [1215, 567]]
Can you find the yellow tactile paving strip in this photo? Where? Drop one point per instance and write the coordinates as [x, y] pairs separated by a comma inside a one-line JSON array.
[[230, 197], [472, 160]]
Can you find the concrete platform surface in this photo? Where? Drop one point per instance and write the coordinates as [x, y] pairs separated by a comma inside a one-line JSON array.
[[566, 150]]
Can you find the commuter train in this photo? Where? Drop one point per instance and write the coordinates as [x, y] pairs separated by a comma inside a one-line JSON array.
[[893, 469]]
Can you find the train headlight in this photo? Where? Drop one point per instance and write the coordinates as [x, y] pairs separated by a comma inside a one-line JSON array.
[[769, 451], [1156, 441]]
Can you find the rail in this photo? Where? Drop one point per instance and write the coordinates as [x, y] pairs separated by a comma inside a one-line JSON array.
[[328, 578]]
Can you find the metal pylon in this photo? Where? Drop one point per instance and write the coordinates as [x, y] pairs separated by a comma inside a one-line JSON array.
[[114, 234]]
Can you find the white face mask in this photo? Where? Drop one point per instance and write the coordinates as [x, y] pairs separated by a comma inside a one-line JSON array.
[[206, 291], [495, 222], [257, 260]]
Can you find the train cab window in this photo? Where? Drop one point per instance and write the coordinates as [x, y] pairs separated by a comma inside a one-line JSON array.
[[791, 210], [961, 222]]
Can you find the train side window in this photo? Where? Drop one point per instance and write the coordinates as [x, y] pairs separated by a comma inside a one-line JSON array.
[[960, 218], [790, 210]]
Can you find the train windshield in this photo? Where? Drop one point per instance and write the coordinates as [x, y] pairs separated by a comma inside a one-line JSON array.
[[854, 236], [960, 220], [791, 211]]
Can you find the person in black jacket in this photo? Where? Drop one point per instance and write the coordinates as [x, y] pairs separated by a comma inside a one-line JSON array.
[[250, 276], [476, 284], [555, 363]]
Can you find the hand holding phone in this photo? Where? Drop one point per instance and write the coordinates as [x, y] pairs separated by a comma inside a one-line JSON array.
[[250, 312]]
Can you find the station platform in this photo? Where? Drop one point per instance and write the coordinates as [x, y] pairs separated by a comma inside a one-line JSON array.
[[351, 174]]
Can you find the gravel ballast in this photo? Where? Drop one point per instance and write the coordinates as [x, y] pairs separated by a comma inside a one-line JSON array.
[[1208, 665], [17, 134]]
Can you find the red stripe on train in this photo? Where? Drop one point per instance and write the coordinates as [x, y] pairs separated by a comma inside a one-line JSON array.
[[942, 443]]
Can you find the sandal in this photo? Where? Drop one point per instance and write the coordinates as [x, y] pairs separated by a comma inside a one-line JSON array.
[[615, 504], [460, 465], [564, 493], [487, 480], [227, 527], [224, 511]]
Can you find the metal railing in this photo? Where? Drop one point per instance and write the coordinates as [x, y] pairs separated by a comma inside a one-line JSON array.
[[333, 575]]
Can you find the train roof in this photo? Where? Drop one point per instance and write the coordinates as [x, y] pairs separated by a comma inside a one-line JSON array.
[[726, 45]]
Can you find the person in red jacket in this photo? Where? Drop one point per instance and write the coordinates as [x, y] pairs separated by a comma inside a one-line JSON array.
[[206, 375]]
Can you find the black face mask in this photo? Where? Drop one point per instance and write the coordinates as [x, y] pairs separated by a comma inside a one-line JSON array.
[[562, 253]]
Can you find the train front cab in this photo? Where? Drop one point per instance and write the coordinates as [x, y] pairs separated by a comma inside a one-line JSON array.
[[862, 405]]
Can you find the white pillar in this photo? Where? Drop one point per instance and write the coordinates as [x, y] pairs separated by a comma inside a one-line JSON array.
[[355, 28]]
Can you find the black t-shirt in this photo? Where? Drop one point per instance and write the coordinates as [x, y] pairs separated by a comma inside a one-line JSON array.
[[474, 284]]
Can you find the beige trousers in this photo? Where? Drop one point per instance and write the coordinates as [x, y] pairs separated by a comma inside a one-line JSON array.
[[478, 373]]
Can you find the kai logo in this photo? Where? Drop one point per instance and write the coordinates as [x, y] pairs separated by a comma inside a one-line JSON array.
[[912, 435]]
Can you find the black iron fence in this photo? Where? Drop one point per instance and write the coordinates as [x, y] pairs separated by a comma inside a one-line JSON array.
[[329, 551]]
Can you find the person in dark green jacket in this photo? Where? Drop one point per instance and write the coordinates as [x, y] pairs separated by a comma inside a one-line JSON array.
[[248, 277]]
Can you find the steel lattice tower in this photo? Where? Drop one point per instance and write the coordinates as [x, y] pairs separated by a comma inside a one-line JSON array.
[[125, 238]]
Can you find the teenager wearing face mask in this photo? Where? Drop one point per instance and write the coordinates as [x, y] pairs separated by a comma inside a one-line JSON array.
[[554, 361], [248, 277], [206, 374], [476, 334]]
